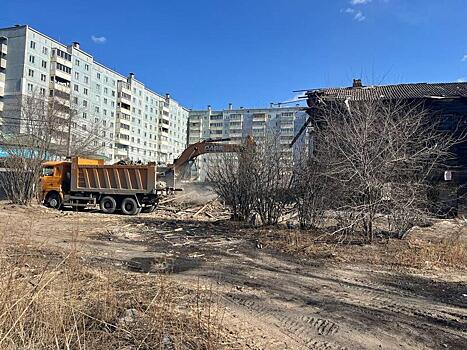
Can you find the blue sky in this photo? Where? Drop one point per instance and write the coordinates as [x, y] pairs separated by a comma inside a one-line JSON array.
[[252, 52]]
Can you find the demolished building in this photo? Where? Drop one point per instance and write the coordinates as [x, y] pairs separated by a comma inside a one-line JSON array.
[[447, 101]]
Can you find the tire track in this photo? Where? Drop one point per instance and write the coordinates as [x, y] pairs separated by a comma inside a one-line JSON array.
[[301, 328]]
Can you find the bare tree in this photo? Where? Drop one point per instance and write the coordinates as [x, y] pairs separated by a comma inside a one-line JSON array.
[[38, 123], [256, 180], [38, 128], [375, 158], [230, 177]]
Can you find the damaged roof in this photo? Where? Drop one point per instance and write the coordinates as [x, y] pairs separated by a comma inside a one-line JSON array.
[[401, 91]]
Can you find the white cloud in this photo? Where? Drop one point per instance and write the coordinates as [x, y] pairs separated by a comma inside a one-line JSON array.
[[464, 59], [462, 80], [359, 2], [359, 16], [99, 39], [356, 14]]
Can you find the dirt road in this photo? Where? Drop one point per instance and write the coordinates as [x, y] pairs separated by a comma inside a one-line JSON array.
[[271, 300]]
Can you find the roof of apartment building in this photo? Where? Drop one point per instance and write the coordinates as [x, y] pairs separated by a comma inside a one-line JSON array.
[[359, 92]]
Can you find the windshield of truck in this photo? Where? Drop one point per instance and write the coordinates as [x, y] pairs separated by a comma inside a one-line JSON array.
[[48, 171]]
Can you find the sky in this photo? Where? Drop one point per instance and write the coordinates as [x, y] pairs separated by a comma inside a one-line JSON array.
[[253, 52]]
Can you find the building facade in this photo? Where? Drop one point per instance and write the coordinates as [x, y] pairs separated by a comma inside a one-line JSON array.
[[133, 121], [237, 124]]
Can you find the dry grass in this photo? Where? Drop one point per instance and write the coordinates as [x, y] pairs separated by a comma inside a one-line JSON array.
[[445, 253], [55, 300]]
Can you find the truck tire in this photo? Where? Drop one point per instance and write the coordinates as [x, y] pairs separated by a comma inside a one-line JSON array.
[[130, 206], [108, 205], [54, 200], [148, 209]]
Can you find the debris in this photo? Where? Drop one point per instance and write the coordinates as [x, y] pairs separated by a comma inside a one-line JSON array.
[[129, 316]]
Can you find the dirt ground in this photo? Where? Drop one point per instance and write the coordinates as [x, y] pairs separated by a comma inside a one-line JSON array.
[[275, 293]]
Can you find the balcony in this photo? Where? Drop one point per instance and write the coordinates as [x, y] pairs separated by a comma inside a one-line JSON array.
[[2, 89], [121, 151], [61, 75], [63, 59], [123, 86], [60, 86], [3, 63], [3, 49], [1, 106], [123, 130], [124, 140]]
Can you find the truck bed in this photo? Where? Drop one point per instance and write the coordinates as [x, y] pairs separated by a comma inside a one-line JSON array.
[[112, 179]]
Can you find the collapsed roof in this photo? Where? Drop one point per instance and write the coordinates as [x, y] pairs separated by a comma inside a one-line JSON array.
[[358, 92]]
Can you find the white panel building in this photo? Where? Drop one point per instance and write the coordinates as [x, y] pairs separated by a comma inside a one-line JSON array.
[[237, 124], [134, 122]]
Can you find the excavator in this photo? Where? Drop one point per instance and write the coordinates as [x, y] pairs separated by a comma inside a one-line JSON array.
[[174, 171]]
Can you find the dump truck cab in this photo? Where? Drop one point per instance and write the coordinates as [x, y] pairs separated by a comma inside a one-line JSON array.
[[55, 182]]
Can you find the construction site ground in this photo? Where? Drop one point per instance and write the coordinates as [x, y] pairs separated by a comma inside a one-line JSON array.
[[276, 290]]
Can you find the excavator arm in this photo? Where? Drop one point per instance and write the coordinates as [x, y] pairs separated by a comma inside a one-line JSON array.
[[208, 146]]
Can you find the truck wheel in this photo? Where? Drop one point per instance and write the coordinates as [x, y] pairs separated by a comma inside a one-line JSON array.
[[148, 209], [108, 205], [54, 201], [130, 207]]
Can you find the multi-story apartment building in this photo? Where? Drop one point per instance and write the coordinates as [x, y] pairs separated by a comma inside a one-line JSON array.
[[236, 124], [134, 122]]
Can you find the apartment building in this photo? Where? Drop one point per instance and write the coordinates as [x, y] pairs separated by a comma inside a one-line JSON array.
[[237, 124], [134, 122]]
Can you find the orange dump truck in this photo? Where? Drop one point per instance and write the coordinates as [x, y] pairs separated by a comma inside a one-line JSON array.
[[89, 182]]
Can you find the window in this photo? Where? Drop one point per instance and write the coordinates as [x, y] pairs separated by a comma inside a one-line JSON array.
[[31, 58], [75, 100], [31, 73], [86, 66], [113, 93], [44, 64], [85, 91], [106, 90], [76, 75], [97, 109], [63, 54], [43, 77], [106, 79], [77, 62], [76, 88], [85, 115], [45, 50], [30, 87], [42, 92], [85, 103], [86, 79], [32, 45], [63, 68], [98, 75], [105, 112], [105, 101]]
